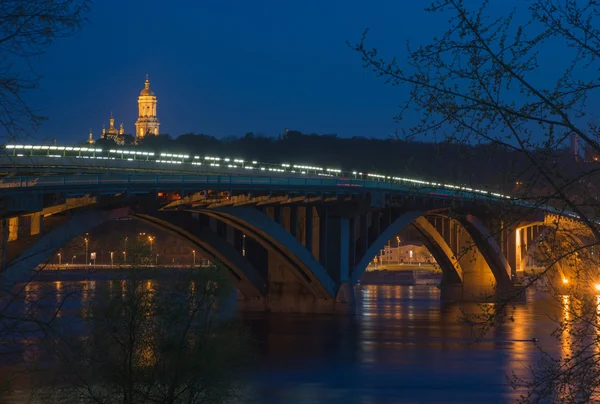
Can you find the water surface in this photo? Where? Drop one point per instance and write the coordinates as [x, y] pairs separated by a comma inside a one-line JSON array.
[[402, 346]]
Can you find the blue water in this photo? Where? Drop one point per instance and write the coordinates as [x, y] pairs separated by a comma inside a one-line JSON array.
[[402, 346]]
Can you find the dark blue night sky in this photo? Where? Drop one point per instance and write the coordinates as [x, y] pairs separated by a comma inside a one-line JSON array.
[[228, 67]]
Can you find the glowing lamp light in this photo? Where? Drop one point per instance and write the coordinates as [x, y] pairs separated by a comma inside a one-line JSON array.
[[597, 286], [565, 281]]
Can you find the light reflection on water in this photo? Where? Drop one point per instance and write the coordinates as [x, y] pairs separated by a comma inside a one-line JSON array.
[[402, 346]]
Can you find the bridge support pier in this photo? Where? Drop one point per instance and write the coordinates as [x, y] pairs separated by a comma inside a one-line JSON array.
[[37, 220], [13, 228], [478, 281], [286, 293]]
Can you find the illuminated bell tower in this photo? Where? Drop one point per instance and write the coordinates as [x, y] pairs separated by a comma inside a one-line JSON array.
[[147, 123]]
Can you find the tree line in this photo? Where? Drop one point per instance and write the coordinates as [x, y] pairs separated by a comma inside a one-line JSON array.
[[484, 164]]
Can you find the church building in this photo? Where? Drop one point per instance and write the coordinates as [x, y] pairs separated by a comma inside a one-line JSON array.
[[112, 132], [147, 123]]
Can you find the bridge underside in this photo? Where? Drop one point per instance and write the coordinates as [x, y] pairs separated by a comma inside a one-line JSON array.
[[297, 253]]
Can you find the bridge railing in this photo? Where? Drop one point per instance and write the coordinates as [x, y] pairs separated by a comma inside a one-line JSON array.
[[74, 156], [126, 181]]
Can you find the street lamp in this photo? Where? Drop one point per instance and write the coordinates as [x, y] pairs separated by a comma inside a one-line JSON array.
[[73, 259], [151, 239], [125, 253], [397, 249], [194, 253], [86, 250], [243, 245], [112, 258], [124, 256]]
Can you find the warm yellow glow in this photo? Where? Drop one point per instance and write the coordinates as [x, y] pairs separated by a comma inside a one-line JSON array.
[[565, 281], [598, 286], [147, 123]]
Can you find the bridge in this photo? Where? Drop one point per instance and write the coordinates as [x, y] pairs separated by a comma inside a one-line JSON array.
[[295, 237]]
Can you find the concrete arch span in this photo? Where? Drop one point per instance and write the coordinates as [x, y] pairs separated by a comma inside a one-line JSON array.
[[243, 275], [534, 248], [487, 246], [296, 280], [475, 269], [281, 243], [566, 252], [21, 268], [432, 238]]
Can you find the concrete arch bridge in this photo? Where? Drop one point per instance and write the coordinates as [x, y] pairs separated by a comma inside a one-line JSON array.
[[291, 244]]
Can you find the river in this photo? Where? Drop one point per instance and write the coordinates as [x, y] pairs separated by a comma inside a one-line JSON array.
[[402, 346]]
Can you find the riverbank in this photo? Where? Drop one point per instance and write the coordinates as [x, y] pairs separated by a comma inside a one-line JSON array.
[[407, 277], [67, 275]]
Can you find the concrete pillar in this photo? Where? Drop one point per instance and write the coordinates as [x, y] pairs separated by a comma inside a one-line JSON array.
[[344, 252], [279, 216], [365, 221], [323, 236], [509, 239], [13, 228], [285, 293], [478, 281], [4, 242], [316, 234], [293, 220], [36, 223], [308, 230], [518, 247], [230, 234], [212, 224]]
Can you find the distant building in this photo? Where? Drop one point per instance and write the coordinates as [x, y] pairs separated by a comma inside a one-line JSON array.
[[113, 133], [147, 123], [91, 138]]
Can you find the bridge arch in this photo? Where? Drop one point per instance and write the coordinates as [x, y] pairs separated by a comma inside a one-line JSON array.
[[533, 249], [47, 245], [242, 273], [548, 247], [434, 240], [481, 259], [280, 242], [489, 249]]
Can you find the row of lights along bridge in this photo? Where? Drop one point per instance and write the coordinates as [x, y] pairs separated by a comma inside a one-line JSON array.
[[227, 163]]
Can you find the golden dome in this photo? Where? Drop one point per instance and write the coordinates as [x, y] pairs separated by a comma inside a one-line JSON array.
[[146, 90]]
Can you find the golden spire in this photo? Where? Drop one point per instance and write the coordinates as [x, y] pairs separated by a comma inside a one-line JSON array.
[[111, 126], [146, 90]]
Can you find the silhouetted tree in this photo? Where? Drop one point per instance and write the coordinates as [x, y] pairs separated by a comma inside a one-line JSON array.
[[483, 80], [106, 143], [152, 343], [26, 29]]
